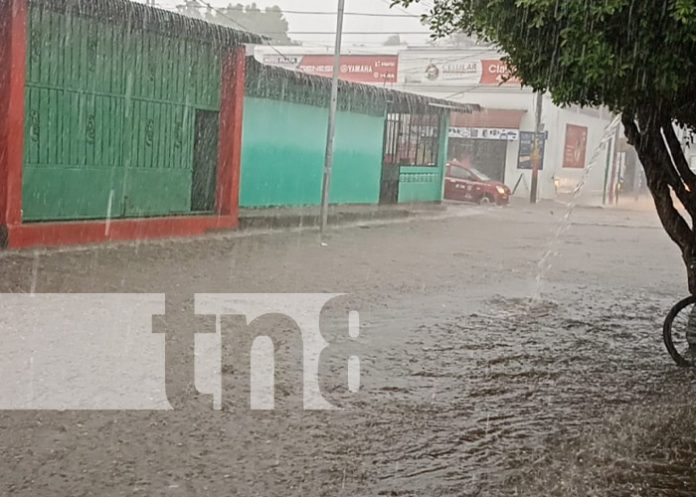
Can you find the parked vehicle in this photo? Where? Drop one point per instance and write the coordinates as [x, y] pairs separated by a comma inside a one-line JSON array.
[[466, 183]]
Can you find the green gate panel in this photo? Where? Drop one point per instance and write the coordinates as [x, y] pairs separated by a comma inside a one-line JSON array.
[[426, 184], [110, 114], [41, 185], [283, 155], [420, 184], [358, 154], [151, 193]]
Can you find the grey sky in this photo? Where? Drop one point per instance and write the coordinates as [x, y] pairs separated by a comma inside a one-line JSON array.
[[391, 24]]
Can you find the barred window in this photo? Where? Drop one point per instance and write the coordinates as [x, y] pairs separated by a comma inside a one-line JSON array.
[[412, 139]]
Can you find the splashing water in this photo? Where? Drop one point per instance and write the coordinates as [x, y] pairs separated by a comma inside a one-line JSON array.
[[545, 263]]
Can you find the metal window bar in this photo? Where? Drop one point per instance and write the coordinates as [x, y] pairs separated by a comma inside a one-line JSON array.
[[412, 139]]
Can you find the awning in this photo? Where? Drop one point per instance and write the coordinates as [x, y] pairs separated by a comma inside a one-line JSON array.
[[488, 118]]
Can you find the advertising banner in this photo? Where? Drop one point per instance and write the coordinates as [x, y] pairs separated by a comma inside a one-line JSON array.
[[497, 72], [575, 146], [453, 68], [439, 68], [527, 146], [372, 69]]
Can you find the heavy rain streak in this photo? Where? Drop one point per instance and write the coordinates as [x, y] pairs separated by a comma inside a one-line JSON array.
[[347, 248]]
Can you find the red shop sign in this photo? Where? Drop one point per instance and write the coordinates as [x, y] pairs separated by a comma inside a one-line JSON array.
[[575, 146], [496, 72], [354, 68]]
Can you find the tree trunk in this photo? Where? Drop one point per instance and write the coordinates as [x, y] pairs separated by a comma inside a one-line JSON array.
[[691, 273], [665, 176]]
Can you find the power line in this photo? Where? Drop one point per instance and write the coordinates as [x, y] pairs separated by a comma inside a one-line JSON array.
[[388, 2], [206, 4], [351, 32], [406, 15], [222, 13], [358, 14], [327, 13], [286, 57], [317, 12]]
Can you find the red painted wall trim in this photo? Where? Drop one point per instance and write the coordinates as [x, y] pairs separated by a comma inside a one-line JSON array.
[[231, 120], [239, 92], [93, 232], [14, 15], [4, 101], [224, 173]]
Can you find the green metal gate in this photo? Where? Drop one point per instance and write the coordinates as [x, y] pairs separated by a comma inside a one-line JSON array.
[[110, 118]]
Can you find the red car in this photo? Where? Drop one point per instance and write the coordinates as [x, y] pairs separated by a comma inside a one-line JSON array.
[[468, 184]]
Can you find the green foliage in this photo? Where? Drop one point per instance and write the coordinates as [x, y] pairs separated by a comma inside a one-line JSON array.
[[269, 22], [625, 54]]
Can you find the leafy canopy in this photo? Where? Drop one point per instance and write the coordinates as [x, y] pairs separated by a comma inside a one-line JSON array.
[[269, 22], [625, 54]]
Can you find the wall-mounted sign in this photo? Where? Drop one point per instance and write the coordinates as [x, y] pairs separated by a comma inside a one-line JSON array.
[[375, 69], [497, 72], [452, 68], [485, 133], [438, 68], [526, 157], [286, 61], [575, 146]]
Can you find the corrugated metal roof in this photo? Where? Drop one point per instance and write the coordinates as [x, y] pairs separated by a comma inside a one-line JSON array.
[[268, 81], [152, 19]]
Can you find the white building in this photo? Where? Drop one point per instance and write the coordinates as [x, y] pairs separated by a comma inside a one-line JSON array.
[[491, 139]]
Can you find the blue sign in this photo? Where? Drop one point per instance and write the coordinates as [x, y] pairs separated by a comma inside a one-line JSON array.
[[527, 139]]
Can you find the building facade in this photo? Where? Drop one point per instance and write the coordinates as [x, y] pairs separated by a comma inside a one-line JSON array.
[[390, 146], [498, 139], [121, 122]]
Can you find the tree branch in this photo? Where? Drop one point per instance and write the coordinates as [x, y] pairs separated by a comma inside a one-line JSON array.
[[661, 154], [648, 146], [631, 130], [674, 224], [650, 139], [678, 156]]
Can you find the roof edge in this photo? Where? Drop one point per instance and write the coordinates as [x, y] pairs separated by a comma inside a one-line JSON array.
[[151, 17], [395, 100]]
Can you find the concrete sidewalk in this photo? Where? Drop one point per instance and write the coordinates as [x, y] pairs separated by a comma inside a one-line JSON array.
[[298, 217]]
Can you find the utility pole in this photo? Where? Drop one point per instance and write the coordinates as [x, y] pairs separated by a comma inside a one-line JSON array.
[[331, 132], [536, 149]]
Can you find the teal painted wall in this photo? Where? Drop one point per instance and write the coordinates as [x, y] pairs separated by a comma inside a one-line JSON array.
[[420, 184], [426, 184], [110, 117], [283, 155]]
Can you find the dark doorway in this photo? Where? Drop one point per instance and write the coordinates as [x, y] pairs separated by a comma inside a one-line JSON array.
[[487, 156], [389, 191], [205, 161]]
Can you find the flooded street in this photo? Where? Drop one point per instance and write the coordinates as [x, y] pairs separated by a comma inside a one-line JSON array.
[[469, 387]]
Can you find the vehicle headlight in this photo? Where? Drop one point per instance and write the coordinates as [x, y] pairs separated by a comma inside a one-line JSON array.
[[501, 190]]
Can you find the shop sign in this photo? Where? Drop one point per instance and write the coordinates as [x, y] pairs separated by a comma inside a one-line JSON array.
[[485, 133], [525, 158]]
